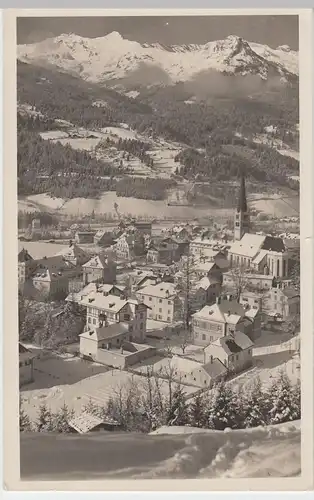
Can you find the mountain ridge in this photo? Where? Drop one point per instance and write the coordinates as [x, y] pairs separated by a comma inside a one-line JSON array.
[[115, 58]]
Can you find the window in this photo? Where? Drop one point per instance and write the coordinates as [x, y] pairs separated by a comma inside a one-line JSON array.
[[89, 320], [168, 318], [141, 315], [131, 338], [211, 338], [130, 328], [118, 341], [237, 357], [159, 316], [237, 224], [141, 326], [169, 302], [150, 299], [160, 310], [231, 358], [250, 351], [126, 317], [160, 301], [94, 321], [203, 336]]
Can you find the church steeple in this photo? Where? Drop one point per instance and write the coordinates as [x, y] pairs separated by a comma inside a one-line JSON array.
[[242, 219]]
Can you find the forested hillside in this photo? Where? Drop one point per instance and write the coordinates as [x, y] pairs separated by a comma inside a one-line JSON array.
[[217, 135]]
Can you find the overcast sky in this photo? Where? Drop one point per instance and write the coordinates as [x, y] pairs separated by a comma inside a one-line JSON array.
[[270, 30]]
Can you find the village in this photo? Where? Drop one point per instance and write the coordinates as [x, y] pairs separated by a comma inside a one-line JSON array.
[[188, 306]]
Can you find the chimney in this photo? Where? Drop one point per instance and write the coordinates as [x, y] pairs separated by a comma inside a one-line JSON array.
[[211, 359], [122, 297], [105, 294]]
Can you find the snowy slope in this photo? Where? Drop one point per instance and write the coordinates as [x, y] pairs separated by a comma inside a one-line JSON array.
[[175, 453], [113, 57]]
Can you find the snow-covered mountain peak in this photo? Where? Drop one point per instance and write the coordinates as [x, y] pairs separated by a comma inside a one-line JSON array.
[[113, 57]]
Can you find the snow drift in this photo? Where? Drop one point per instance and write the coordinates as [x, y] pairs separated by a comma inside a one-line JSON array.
[[168, 453]]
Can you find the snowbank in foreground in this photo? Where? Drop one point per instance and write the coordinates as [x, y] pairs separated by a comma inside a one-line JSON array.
[[272, 451], [168, 453]]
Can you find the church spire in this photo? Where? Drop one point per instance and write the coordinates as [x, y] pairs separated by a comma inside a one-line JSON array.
[[242, 219], [242, 204]]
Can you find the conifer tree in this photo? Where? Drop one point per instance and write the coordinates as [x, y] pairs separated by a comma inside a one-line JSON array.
[[62, 418], [222, 411], [45, 419], [284, 403], [177, 412], [256, 406], [197, 411], [25, 423]]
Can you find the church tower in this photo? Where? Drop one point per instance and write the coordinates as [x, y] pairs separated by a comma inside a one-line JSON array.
[[241, 218]]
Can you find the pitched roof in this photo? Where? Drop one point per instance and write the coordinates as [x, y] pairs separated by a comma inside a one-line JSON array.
[[184, 365], [24, 256], [98, 261], [215, 368], [162, 290], [52, 268], [259, 257], [73, 252], [227, 311], [248, 246], [206, 282], [106, 332], [101, 301], [274, 244], [232, 344], [85, 422]]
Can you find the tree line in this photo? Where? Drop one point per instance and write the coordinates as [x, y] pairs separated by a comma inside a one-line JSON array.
[[222, 407]]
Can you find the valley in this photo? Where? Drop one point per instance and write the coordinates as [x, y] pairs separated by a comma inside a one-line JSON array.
[[178, 141]]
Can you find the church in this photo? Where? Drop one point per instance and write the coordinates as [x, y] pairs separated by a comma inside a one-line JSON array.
[[261, 254]]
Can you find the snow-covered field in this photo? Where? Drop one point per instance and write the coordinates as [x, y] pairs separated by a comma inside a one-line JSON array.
[[40, 249], [168, 453], [76, 382]]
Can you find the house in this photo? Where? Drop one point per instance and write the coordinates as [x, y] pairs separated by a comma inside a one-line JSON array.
[[163, 301], [26, 365], [164, 251], [105, 289], [255, 281], [85, 422], [196, 374], [26, 265], [50, 278], [251, 299], [223, 318], [103, 238], [103, 309], [99, 268], [128, 246], [283, 301], [84, 237], [74, 254], [144, 227], [207, 268], [233, 350], [138, 278], [204, 292]]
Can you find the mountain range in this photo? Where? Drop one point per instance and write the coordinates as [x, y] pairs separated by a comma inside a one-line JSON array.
[[113, 58]]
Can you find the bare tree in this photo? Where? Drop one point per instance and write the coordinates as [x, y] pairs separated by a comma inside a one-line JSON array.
[[239, 280]]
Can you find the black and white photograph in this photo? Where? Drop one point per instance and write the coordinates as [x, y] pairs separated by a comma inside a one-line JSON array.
[[158, 254]]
